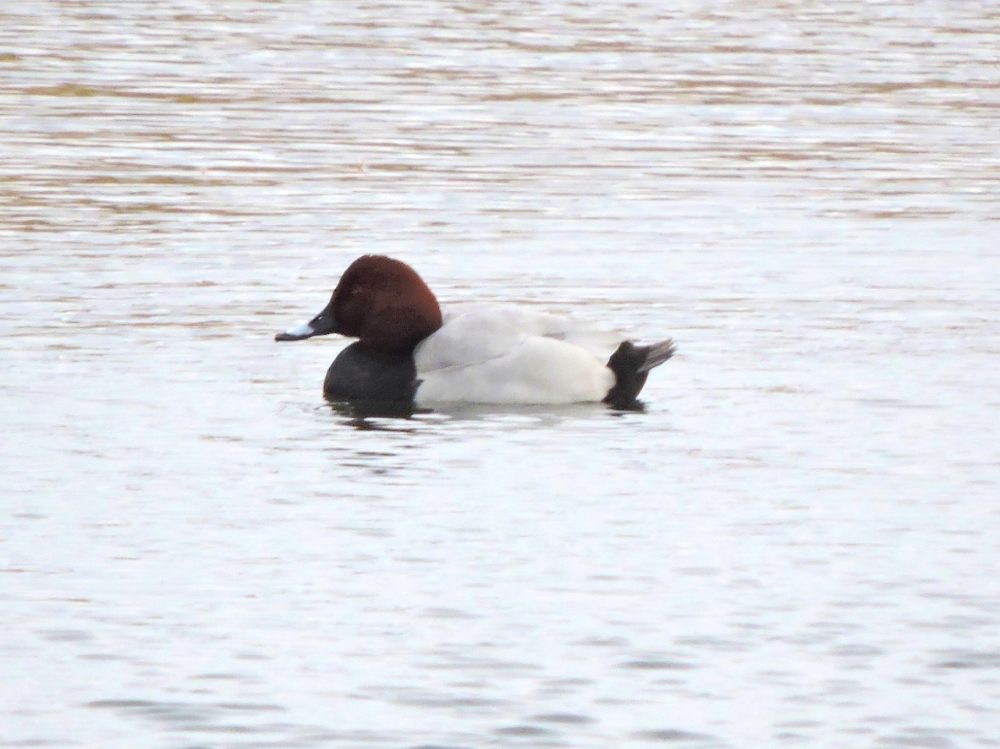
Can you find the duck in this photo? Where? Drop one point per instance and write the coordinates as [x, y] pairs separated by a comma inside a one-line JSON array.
[[408, 351]]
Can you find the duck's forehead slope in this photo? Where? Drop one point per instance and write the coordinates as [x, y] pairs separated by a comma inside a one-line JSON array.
[[375, 273]]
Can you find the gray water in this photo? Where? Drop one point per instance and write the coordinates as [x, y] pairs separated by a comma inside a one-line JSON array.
[[797, 544]]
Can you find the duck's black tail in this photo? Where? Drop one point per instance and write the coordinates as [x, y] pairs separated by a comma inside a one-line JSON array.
[[631, 365]]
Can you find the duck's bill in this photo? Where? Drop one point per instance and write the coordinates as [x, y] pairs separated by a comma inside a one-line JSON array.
[[298, 333], [323, 324]]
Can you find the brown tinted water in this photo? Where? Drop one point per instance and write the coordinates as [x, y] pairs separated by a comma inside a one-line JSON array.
[[796, 544]]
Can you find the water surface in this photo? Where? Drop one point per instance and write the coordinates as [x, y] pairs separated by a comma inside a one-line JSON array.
[[795, 545]]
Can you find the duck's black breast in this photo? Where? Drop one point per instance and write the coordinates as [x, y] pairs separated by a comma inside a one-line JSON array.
[[360, 375]]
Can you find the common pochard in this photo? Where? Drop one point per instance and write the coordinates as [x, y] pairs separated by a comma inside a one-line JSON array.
[[408, 352]]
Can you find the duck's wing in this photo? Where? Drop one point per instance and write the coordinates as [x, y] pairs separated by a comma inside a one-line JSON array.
[[477, 333], [537, 370]]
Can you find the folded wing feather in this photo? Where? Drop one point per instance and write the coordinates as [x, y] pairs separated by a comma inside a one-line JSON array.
[[495, 354]]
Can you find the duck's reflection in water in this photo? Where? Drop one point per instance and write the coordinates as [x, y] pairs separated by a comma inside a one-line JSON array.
[[404, 416]]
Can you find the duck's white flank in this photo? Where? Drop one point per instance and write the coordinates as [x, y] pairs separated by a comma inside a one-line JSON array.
[[500, 354]]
